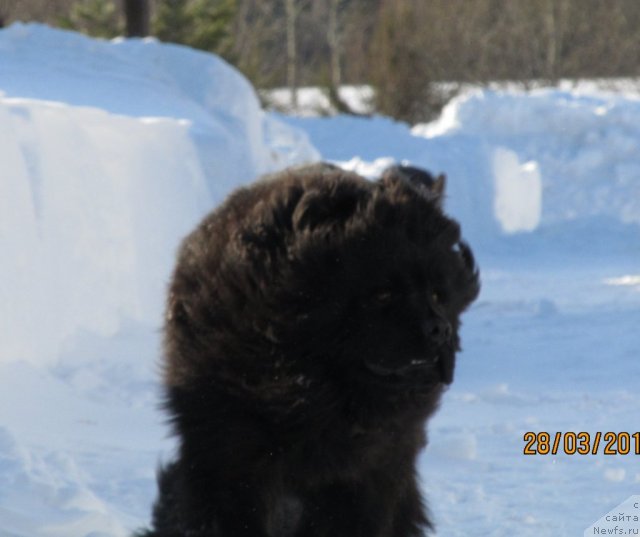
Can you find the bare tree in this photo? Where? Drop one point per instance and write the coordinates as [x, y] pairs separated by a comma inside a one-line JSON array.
[[258, 32], [292, 70], [334, 39], [400, 69]]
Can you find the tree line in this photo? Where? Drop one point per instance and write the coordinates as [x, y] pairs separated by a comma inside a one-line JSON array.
[[415, 53]]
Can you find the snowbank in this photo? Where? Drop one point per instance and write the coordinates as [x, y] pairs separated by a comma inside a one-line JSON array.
[[111, 151], [91, 205], [143, 78], [584, 148]]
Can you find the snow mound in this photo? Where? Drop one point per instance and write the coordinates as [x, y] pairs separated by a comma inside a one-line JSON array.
[[111, 152], [144, 78], [565, 155]]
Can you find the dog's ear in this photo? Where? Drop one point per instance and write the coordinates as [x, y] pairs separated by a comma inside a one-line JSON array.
[[423, 181], [326, 206]]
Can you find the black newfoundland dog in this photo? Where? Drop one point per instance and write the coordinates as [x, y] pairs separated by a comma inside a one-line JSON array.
[[311, 328]]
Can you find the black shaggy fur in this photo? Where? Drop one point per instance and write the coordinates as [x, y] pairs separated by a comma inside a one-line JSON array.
[[312, 325]]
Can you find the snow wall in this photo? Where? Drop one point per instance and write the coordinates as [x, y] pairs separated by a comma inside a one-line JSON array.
[[110, 152]]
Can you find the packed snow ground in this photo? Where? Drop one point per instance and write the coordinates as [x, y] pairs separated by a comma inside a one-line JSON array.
[[111, 151]]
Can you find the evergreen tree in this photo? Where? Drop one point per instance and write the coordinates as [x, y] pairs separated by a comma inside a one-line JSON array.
[[98, 18], [173, 21], [202, 24]]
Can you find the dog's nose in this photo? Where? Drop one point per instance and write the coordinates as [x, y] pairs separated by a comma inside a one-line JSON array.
[[437, 330]]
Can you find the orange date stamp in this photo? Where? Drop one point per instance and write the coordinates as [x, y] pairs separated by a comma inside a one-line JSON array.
[[582, 443]]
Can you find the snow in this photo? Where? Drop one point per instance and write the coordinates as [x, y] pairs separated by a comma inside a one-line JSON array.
[[95, 210], [518, 192], [111, 151]]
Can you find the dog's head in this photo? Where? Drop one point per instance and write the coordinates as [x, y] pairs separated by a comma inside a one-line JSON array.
[[319, 276], [393, 276]]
